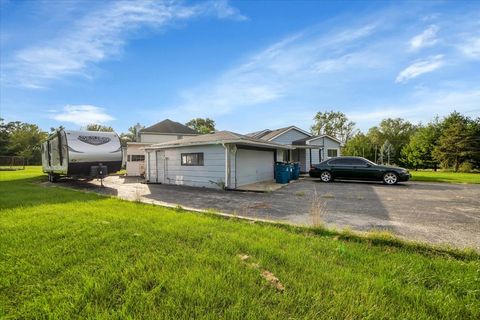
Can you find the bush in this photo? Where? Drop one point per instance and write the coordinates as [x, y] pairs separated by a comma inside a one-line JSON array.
[[466, 167]]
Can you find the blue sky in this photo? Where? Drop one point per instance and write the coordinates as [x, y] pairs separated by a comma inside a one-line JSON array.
[[248, 65]]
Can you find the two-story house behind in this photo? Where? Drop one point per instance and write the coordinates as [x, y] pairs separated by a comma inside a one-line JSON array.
[[164, 131]]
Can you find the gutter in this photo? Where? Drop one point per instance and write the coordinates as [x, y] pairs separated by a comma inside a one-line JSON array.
[[222, 142]]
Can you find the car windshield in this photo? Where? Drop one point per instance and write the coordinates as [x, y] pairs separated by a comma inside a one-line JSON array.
[[368, 161]]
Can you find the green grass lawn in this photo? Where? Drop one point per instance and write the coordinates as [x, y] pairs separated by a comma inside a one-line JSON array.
[[445, 176], [67, 254]]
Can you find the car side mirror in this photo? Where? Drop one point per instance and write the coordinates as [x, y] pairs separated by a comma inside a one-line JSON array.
[[368, 165]]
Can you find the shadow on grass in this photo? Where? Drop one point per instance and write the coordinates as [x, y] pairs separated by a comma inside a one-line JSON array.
[[377, 239], [36, 191]]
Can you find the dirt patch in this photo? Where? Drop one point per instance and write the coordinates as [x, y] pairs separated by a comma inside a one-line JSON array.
[[267, 275]]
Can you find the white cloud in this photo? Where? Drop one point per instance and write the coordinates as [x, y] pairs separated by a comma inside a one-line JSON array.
[[471, 48], [82, 115], [427, 38], [420, 67], [99, 35], [276, 71]]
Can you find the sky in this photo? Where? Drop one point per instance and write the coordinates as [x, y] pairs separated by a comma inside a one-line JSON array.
[[249, 65]]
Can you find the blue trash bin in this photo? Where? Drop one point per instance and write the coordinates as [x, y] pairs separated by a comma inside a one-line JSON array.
[[296, 169], [282, 173]]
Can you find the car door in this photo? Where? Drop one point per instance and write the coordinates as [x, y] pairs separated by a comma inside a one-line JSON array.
[[362, 170], [341, 168]]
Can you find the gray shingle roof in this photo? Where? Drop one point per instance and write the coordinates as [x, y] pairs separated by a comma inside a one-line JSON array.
[[304, 140], [169, 126], [217, 138], [258, 134]]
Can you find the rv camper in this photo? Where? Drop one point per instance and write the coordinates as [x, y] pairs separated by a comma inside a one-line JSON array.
[[87, 154]]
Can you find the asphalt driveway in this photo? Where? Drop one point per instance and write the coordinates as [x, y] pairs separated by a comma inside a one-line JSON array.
[[438, 213]]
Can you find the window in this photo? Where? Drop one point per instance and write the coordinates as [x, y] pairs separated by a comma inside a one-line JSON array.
[[340, 162], [136, 157], [358, 162], [332, 153], [192, 159]]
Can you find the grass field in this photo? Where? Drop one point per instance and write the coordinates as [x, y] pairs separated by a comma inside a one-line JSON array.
[[445, 176], [66, 254]]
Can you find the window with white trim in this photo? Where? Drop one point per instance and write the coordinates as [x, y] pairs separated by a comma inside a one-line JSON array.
[[136, 157], [192, 159], [332, 153]]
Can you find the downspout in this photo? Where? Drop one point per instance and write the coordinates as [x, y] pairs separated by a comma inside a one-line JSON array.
[[227, 166]]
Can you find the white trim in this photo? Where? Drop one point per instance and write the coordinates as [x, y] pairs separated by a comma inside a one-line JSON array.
[[287, 130], [338, 153], [138, 143], [219, 142], [323, 136]]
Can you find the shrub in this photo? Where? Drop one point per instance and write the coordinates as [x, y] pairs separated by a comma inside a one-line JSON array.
[[466, 167]]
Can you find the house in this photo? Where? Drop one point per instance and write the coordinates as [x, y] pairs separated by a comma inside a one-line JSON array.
[[164, 131], [223, 160], [303, 146]]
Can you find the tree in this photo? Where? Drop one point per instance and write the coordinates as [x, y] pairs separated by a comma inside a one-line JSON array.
[[131, 135], [360, 145], [459, 141], [396, 131], [335, 124], [25, 140], [98, 127], [418, 152], [387, 150], [5, 131], [201, 125]]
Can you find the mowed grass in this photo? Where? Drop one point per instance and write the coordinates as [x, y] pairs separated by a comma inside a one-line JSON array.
[[66, 254], [445, 176]]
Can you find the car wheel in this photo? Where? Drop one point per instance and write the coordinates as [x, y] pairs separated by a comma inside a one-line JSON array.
[[390, 178], [325, 176]]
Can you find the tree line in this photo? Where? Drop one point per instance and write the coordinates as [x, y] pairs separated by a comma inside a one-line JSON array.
[[452, 142]]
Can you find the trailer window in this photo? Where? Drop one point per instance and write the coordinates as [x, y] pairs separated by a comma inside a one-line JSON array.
[[192, 159]]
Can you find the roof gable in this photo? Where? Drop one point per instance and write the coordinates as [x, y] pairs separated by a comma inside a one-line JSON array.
[[279, 132], [309, 140], [168, 126]]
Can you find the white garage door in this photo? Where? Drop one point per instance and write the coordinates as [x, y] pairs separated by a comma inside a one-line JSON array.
[[254, 166]]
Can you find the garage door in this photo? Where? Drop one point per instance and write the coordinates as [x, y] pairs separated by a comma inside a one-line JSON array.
[[254, 166]]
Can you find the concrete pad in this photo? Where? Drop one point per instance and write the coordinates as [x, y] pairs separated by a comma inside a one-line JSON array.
[[263, 186]]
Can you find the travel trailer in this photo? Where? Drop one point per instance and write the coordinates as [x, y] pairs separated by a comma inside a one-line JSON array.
[[87, 154]]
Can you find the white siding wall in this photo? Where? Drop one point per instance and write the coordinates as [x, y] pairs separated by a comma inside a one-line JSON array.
[[254, 166], [331, 144], [211, 174], [290, 136], [157, 138], [281, 154], [315, 158], [135, 168]]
